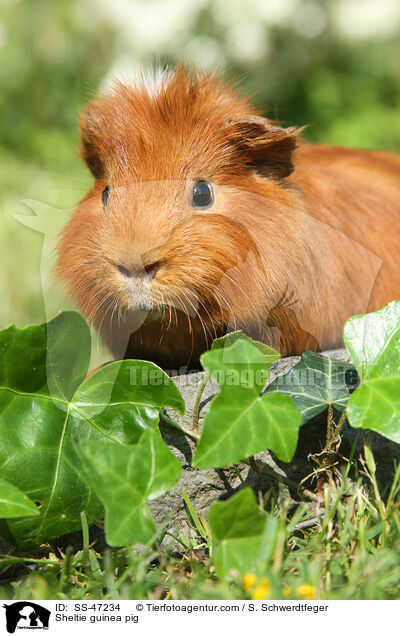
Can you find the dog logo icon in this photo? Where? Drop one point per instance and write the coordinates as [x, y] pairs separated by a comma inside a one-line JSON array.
[[26, 615]]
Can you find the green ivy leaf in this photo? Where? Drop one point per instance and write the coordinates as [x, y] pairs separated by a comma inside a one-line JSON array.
[[315, 383], [40, 358], [44, 411], [373, 341], [241, 421], [124, 478], [14, 503], [230, 338], [243, 535]]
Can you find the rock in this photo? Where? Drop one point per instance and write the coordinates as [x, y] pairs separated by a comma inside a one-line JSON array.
[[203, 487]]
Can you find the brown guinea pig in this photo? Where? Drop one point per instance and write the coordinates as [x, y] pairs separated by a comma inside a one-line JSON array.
[[206, 217]]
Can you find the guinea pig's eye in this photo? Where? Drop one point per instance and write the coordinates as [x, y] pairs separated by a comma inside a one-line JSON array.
[[202, 195], [104, 196]]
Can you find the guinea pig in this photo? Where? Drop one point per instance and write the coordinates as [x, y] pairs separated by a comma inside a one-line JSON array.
[[206, 217]]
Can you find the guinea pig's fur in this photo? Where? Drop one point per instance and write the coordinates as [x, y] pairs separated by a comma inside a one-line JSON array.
[[298, 236]]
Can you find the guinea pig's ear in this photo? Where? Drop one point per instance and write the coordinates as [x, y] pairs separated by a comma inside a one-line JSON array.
[[268, 148], [90, 148]]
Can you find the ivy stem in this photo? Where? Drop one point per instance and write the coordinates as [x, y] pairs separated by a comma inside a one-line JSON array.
[[166, 418], [333, 432], [340, 424], [196, 408]]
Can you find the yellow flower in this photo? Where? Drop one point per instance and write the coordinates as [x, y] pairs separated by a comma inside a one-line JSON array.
[[262, 590], [306, 591], [286, 590], [248, 581]]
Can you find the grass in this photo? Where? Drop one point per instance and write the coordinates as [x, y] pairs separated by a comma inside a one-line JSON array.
[[349, 548]]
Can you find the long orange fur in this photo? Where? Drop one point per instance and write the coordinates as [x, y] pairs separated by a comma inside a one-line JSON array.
[[299, 236]]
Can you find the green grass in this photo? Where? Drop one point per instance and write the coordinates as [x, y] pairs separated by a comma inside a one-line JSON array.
[[348, 548]]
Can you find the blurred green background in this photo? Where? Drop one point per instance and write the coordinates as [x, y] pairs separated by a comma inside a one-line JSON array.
[[334, 66]]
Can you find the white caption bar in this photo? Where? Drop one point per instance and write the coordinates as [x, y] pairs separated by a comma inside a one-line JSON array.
[[171, 617]]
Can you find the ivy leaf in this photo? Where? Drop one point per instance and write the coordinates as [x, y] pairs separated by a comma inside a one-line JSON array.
[[243, 535], [124, 478], [13, 502], [315, 383], [44, 411], [241, 421], [40, 358], [230, 338], [373, 341]]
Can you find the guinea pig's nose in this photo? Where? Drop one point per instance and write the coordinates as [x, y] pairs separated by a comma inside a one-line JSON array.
[[146, 271]]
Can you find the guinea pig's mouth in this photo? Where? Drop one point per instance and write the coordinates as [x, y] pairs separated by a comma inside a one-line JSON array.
[[153, 313], [150, 310], [160, 313]]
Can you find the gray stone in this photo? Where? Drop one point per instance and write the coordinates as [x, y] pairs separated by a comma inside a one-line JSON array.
[[203, 487]]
